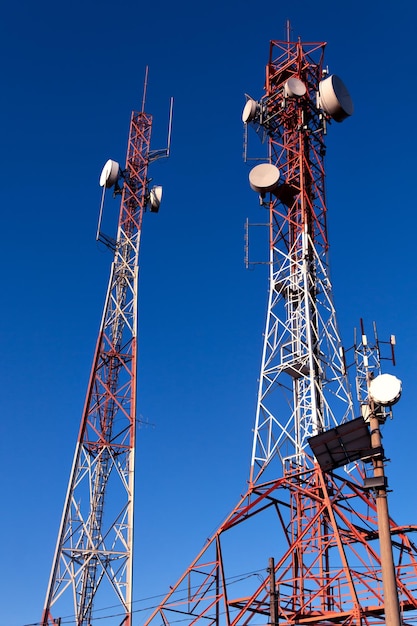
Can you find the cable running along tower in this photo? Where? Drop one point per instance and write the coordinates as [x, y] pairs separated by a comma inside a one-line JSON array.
[[311, 541], [92, 566]]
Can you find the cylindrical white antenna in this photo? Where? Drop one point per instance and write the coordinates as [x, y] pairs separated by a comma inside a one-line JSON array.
[[264, 177]]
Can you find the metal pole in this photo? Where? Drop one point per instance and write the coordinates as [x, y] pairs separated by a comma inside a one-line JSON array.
[[273, 605], [392, 607]]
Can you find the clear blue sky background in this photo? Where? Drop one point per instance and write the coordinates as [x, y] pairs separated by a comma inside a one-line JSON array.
[[71, 73]]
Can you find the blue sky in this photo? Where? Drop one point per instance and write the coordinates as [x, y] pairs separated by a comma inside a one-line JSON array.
[[71, 75]]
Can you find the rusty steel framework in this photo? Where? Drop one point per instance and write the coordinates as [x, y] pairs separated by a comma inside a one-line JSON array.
[[92, 566], [301, 546]]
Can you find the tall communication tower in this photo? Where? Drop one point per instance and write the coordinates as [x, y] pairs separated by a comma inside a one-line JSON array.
[[92, 569], [311, 541]]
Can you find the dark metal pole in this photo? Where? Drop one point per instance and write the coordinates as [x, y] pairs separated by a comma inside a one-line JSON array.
[[392, 607], [273, 596]]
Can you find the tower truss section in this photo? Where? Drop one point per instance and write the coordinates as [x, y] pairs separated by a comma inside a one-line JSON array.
[[302, 362], [93, 562], [302, 544]]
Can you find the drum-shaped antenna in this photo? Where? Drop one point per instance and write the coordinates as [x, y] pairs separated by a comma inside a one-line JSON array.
[[250, 111], [335, 99], [109, 174], [294, 87], [385, 389], [155, 197], [264, 177]]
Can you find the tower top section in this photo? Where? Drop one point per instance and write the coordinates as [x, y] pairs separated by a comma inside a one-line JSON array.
[[296, 79]]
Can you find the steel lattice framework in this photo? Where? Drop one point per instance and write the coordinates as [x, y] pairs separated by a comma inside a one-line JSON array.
[[301, 546], [301, 338], [92, 566]]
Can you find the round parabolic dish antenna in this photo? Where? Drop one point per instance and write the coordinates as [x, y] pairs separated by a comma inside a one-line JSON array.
[[249, 111], [264, 177], [109, 174], [335, 99], [155, 197], [385, 389], [294, 87]]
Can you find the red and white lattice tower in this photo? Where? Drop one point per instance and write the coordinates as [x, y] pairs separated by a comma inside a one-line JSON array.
[[92, 568], [302, 546]]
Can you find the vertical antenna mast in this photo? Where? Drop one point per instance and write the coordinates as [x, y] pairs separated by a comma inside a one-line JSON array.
[[145, 87], [288, 31], [316, 528], [93, 563]]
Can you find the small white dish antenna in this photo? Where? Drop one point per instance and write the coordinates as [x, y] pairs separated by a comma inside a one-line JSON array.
[[294, 87], [264, 178], [335, 99], [109, 174], [385, 389], [155, 197], [249, 111]]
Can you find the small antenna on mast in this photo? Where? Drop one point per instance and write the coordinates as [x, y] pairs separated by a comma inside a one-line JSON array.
[[288, 31], [145, 86], [171, 110], [161, 154]]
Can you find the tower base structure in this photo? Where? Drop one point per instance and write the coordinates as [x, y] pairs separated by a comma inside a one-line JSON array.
[[326, 569]]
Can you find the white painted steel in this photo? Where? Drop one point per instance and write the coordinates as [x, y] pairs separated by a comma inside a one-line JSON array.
[[294, 374]]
